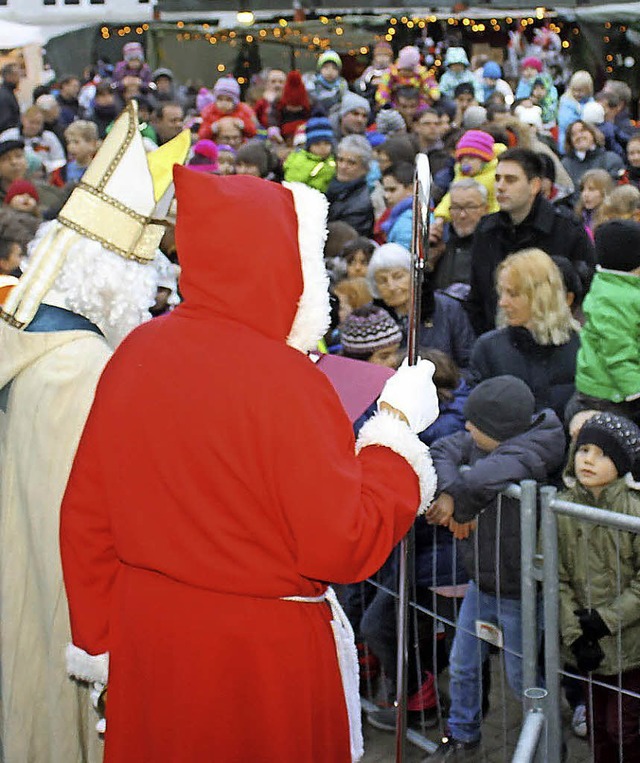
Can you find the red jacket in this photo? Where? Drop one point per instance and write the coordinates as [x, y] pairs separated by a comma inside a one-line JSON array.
[[216, 474], [242, 111]]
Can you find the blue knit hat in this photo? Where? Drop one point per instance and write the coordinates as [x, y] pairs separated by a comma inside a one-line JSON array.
[[317, 129], [491, 70]]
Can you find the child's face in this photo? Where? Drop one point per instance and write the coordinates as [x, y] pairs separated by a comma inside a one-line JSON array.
[[80, 149], [225, 104], [243, 168], [593, 469], [482, 440], [633, 153], [23, 202], [357, 265], [321, 148], [471, 165], [591, 196], [382, 158], [11, 263], [330, 71], [538, 92], [386, 356], [456, 68], [529, 72], [226, 163]]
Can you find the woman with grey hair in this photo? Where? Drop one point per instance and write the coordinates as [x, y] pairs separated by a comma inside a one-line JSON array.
[[444, 324], [348, 193]]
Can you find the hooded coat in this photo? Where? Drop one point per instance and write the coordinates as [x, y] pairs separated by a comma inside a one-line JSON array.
[[47, 382], [217, 473]]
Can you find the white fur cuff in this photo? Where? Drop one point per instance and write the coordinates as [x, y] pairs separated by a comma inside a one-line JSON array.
[[389, 431], [85, 666]]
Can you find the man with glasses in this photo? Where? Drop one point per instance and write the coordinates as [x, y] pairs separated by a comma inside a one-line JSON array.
[[468, 205]]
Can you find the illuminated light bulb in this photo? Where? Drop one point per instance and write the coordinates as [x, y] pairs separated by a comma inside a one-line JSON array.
[[246, 18]]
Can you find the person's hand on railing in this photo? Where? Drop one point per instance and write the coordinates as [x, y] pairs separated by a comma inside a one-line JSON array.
[[441, 510], [593, 626], [462, 530]]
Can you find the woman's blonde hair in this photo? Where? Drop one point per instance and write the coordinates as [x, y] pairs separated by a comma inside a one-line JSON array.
[[599, 179], [622, 203], [536, 276], [581, 78], [355, 290]]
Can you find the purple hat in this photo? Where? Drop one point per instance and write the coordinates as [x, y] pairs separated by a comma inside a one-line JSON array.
[[227, 86], [132, 50], [408, 58], [475, 143]]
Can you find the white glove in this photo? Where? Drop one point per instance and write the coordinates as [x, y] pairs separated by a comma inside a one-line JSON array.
[[411, 390]]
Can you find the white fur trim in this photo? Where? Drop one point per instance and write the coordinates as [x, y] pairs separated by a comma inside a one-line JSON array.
[[313, 316], [389, 431], [85, 666]]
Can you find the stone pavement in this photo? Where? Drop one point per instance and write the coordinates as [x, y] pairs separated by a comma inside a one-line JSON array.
[[501, 729]]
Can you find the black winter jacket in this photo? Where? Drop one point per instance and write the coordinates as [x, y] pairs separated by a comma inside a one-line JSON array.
[[552, 229], [531, 455], [350, 202], [548, 370]]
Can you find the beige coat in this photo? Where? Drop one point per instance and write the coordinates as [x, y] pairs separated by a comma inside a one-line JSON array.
[[46, 717]]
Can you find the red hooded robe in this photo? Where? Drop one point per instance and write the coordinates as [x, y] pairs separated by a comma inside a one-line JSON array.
[[217, 473]]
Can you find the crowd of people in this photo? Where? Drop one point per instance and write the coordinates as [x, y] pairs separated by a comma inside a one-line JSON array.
[[530, 310]]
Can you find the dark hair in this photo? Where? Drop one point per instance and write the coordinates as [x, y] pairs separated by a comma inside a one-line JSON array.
[[446, 376], [67, 78], [339, 234], [568, 140], [528, 160], [103, 88], [410, 93], [570, 277], [399, 148], [8, 69], [464, 87], [496, 108], [539, 83], [403, 172], [548, 167], [159, 112], [425, 110], [360, 244]]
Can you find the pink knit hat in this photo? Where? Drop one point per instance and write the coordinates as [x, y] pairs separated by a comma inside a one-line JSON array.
[[408, 58], [227, 86], [533, 62], [475, 143]]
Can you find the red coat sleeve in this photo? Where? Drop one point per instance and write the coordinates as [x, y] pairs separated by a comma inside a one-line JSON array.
[[89, 560]]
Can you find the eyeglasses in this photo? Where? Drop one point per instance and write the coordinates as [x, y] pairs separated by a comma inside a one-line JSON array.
[[457, 208]]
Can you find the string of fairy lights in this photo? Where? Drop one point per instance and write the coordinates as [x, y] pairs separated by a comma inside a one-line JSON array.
[[337, 31]]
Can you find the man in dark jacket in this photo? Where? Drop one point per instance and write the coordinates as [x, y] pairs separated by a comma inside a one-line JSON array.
[[9, 106], [526, 219], [502, 444], [348, 193]]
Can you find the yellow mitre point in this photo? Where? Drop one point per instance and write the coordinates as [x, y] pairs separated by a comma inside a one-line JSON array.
[[116, 200]]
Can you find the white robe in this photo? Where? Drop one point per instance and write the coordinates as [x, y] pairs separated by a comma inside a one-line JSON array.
[[46, 717]]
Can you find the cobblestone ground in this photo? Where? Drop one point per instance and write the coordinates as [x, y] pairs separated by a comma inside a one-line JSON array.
[[501, 729]]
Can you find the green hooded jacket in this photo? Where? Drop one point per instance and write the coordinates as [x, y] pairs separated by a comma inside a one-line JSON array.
[[304, 167]]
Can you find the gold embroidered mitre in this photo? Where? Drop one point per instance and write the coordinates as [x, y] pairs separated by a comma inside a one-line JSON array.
[[116, 199], [118, 203]]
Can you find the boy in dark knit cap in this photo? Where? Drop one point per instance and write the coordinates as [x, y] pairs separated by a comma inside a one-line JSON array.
[[315, 164], [608, 362], [503, 444], [599, 568]]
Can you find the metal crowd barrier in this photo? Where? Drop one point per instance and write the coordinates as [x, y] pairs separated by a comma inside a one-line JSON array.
[[541, 732]]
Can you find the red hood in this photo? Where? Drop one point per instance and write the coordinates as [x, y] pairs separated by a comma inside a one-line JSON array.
[[237, 239]]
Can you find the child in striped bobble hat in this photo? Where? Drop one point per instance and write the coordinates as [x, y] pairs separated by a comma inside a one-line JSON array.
[[476, 157], [370, 334], [599, 569]]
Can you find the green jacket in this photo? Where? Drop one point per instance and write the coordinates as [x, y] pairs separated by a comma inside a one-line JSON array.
[[608, 363], [588, 574], [304, 167]]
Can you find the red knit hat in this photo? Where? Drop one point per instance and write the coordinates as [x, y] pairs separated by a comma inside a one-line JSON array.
[[475, 143], [294, 92], [533, 63], [20, 186]]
